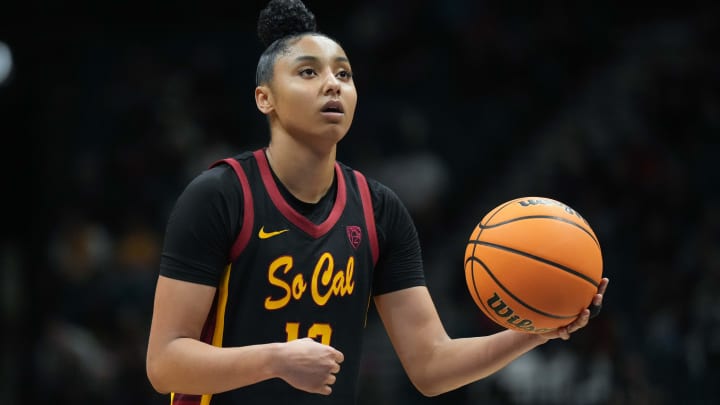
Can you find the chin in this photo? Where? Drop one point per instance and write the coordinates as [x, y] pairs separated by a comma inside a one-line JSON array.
[[334, 132], [334, 137]]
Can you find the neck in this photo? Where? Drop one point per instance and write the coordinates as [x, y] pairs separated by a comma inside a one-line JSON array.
[[307, 173]]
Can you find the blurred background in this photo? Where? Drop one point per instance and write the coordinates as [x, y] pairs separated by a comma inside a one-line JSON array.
[[108, 109]]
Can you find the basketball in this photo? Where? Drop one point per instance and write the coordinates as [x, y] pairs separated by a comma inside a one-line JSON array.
[[533, 264]]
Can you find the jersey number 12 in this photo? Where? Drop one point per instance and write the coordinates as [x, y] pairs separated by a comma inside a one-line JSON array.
[[317, 330]]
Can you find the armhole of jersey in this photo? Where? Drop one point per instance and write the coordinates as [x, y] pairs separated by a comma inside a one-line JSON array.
[[248, 211], [369, 214]]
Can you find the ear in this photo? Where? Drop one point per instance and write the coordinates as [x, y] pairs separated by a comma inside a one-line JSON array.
[[264, 99]]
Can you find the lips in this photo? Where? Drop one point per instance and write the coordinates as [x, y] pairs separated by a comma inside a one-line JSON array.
[[333, 106]]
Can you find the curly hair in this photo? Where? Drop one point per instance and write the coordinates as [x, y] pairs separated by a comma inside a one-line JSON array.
[[280, 24]]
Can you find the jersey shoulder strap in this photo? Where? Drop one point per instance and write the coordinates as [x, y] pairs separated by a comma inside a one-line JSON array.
[[248, 211], [369, 214]]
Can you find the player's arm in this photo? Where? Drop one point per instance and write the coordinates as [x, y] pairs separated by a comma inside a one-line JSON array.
[[177, 361], [434, 362], [176, 358]]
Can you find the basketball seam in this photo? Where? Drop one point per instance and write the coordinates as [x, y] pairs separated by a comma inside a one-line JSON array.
[[496, 212], [561, 219], [538, 258], [472, 263], [483, 307], [481, 226], [513, 296]]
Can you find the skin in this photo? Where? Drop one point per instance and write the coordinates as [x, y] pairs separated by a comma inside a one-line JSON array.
[[302, 153], [315, 71]]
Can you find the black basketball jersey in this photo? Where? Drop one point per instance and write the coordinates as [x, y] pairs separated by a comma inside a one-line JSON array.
[[290, 278]]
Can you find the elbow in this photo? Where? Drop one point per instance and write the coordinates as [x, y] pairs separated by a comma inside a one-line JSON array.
[[423, 378], [432, 384], [426, 386], [429, 391], [155, 376]]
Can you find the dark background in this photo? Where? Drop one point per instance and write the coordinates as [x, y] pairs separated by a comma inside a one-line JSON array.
[[613, 108]]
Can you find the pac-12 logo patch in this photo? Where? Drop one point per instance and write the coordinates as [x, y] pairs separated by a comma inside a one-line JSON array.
[[354, 235]]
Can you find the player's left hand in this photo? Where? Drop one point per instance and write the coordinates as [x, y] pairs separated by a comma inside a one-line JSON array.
[[582, 320]]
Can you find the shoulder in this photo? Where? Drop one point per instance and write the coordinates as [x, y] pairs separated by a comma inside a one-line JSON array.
[[219, 182], [220, 175], [214, 180]]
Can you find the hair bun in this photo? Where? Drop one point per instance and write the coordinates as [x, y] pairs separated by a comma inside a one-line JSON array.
[[282, 18]]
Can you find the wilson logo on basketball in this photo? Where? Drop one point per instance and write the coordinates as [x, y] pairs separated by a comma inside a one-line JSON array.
[[544, 201], [502, 310], [354, 235]]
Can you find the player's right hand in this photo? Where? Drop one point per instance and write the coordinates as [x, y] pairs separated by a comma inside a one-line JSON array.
[[308, 365]]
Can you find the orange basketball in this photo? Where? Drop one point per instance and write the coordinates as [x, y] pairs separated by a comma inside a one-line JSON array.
[[533, 264]]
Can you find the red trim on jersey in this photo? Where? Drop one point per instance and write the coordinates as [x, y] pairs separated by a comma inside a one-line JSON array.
[[208, 329], [289, 212], [248, 211], [369, 214], [185, 399]]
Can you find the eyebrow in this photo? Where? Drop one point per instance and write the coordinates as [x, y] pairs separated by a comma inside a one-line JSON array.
[[304, 58]]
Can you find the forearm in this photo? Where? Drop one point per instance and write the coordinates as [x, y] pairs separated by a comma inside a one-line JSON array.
[[437, 364], [192, 367], [456, 362], [434, 362]]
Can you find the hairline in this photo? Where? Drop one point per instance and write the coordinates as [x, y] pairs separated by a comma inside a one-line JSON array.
[[284, 45]]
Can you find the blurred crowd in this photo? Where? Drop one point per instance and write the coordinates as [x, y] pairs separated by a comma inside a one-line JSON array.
[[462, 105]]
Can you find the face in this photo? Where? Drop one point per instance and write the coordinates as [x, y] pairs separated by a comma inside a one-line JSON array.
[[312, 95]]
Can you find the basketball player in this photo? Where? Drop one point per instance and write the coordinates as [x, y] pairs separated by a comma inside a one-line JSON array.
[[271, 257]]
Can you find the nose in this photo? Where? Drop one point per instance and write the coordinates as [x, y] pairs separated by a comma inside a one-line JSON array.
[[332, 84]]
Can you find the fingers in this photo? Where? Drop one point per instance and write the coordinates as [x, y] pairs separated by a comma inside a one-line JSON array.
[[563, 333], [331, 379], [579, 323], [596, 304], [311, 366], [582, 320], [335, 368], [339, 357], [326, 388], [603, 285]]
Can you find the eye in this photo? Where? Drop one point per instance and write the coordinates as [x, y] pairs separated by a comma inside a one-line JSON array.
[[344, 75], [307, 72]]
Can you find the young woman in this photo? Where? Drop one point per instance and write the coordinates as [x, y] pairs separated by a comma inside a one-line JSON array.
[[271, 257]]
